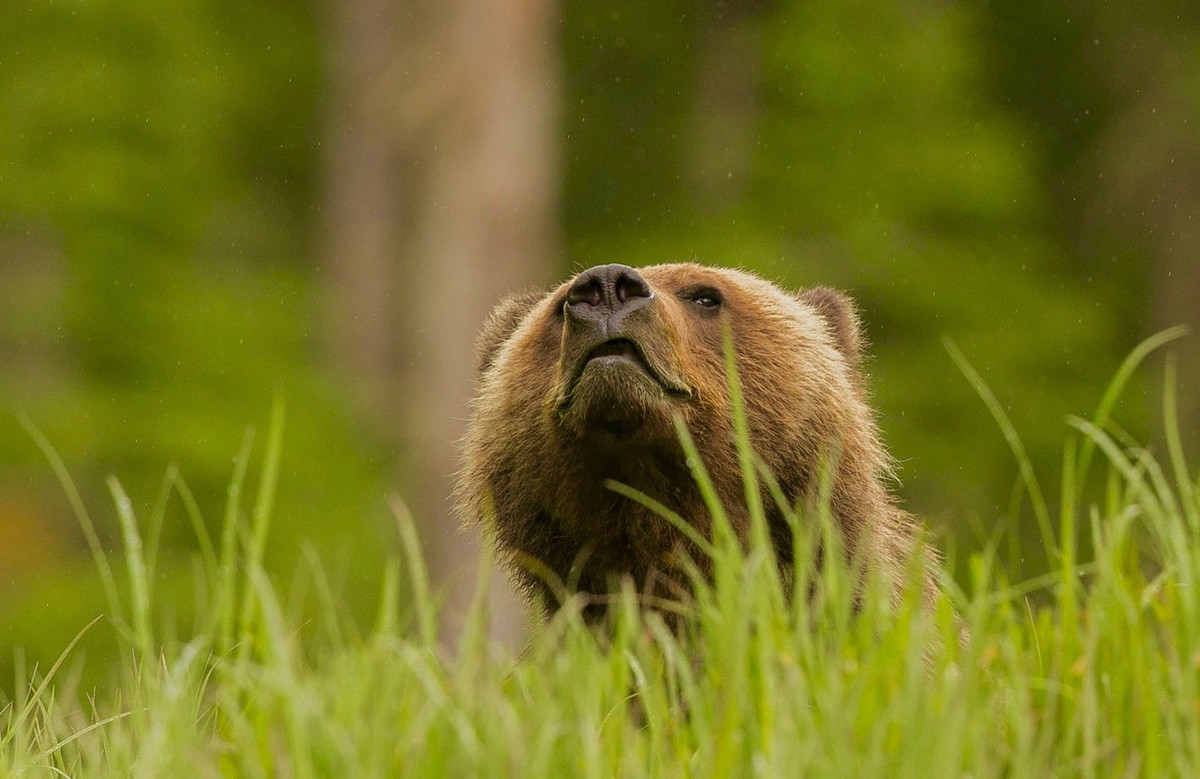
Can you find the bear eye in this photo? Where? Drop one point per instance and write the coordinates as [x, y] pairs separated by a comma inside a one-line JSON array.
[[704, 297]]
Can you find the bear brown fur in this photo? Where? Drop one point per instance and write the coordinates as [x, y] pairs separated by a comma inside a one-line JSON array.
[[580, 385]]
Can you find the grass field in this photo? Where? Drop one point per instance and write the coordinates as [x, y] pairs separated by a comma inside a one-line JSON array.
[[1092, 669]]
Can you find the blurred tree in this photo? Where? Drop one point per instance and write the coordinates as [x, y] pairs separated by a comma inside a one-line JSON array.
[[728, 77], [443, 187], [363, 240], [1142, 171]]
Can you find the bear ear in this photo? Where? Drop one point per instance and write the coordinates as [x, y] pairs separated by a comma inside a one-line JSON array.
[[840, 312], [501, 324]]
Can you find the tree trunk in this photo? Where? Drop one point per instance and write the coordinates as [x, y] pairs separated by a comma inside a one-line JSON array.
[[363, 234], [486, 229], [468, 107], [729, 72], [1147, 177]]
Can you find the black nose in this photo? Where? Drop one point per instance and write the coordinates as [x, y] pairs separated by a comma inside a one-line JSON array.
[[605, 293]]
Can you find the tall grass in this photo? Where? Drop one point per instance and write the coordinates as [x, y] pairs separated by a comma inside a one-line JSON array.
[[1091, 670]]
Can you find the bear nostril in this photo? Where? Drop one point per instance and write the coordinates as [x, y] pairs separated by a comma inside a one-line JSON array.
[[591, 292], [631, 285], [610, 289], [612, 286]]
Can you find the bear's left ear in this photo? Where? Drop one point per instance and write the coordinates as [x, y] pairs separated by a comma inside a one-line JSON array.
[[840, 312], [501, 324]]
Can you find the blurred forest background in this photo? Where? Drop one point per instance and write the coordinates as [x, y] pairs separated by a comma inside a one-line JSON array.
[[206, 204]]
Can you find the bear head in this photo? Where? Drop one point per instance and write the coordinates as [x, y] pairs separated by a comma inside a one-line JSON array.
[[583, 384]]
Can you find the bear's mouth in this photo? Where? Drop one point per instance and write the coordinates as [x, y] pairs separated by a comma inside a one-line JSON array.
[[617, 350], [626, 350]]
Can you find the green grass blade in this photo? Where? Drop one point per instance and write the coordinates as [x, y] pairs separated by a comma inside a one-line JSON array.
[[23, 712], [268, 483], [260, 522], [283, 659], [695, 464], [158, 516], [135, 562], [328, 612], [1134, 478], [1068, 535], [473, 639], [226, 594], [1179, 466], [192, 509], [1028, 477], [1113, 391], [676, 521], [418, 575], [107, 580], [389, 600], [57, 746], [741, 435]]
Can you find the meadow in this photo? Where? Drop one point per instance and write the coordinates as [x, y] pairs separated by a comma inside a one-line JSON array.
[[1091, 669]]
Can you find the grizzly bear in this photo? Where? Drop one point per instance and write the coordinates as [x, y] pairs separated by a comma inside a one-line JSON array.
[[580, 385]]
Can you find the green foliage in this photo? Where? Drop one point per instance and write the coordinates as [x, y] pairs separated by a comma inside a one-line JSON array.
[[1090, 671], [881, 160], [159, 163]]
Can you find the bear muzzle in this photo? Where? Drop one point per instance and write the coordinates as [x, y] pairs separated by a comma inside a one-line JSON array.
[[625, 354]]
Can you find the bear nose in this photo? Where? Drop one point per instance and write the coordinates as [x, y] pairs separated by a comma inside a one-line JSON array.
[[605, 293]]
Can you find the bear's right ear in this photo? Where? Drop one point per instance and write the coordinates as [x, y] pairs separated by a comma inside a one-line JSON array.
[[839, 311], [501, 324]]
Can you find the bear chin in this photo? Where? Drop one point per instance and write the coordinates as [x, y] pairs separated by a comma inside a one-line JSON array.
[[616, 400]]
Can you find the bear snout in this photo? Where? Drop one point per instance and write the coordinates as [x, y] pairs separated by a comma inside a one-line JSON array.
[[601, 297]]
